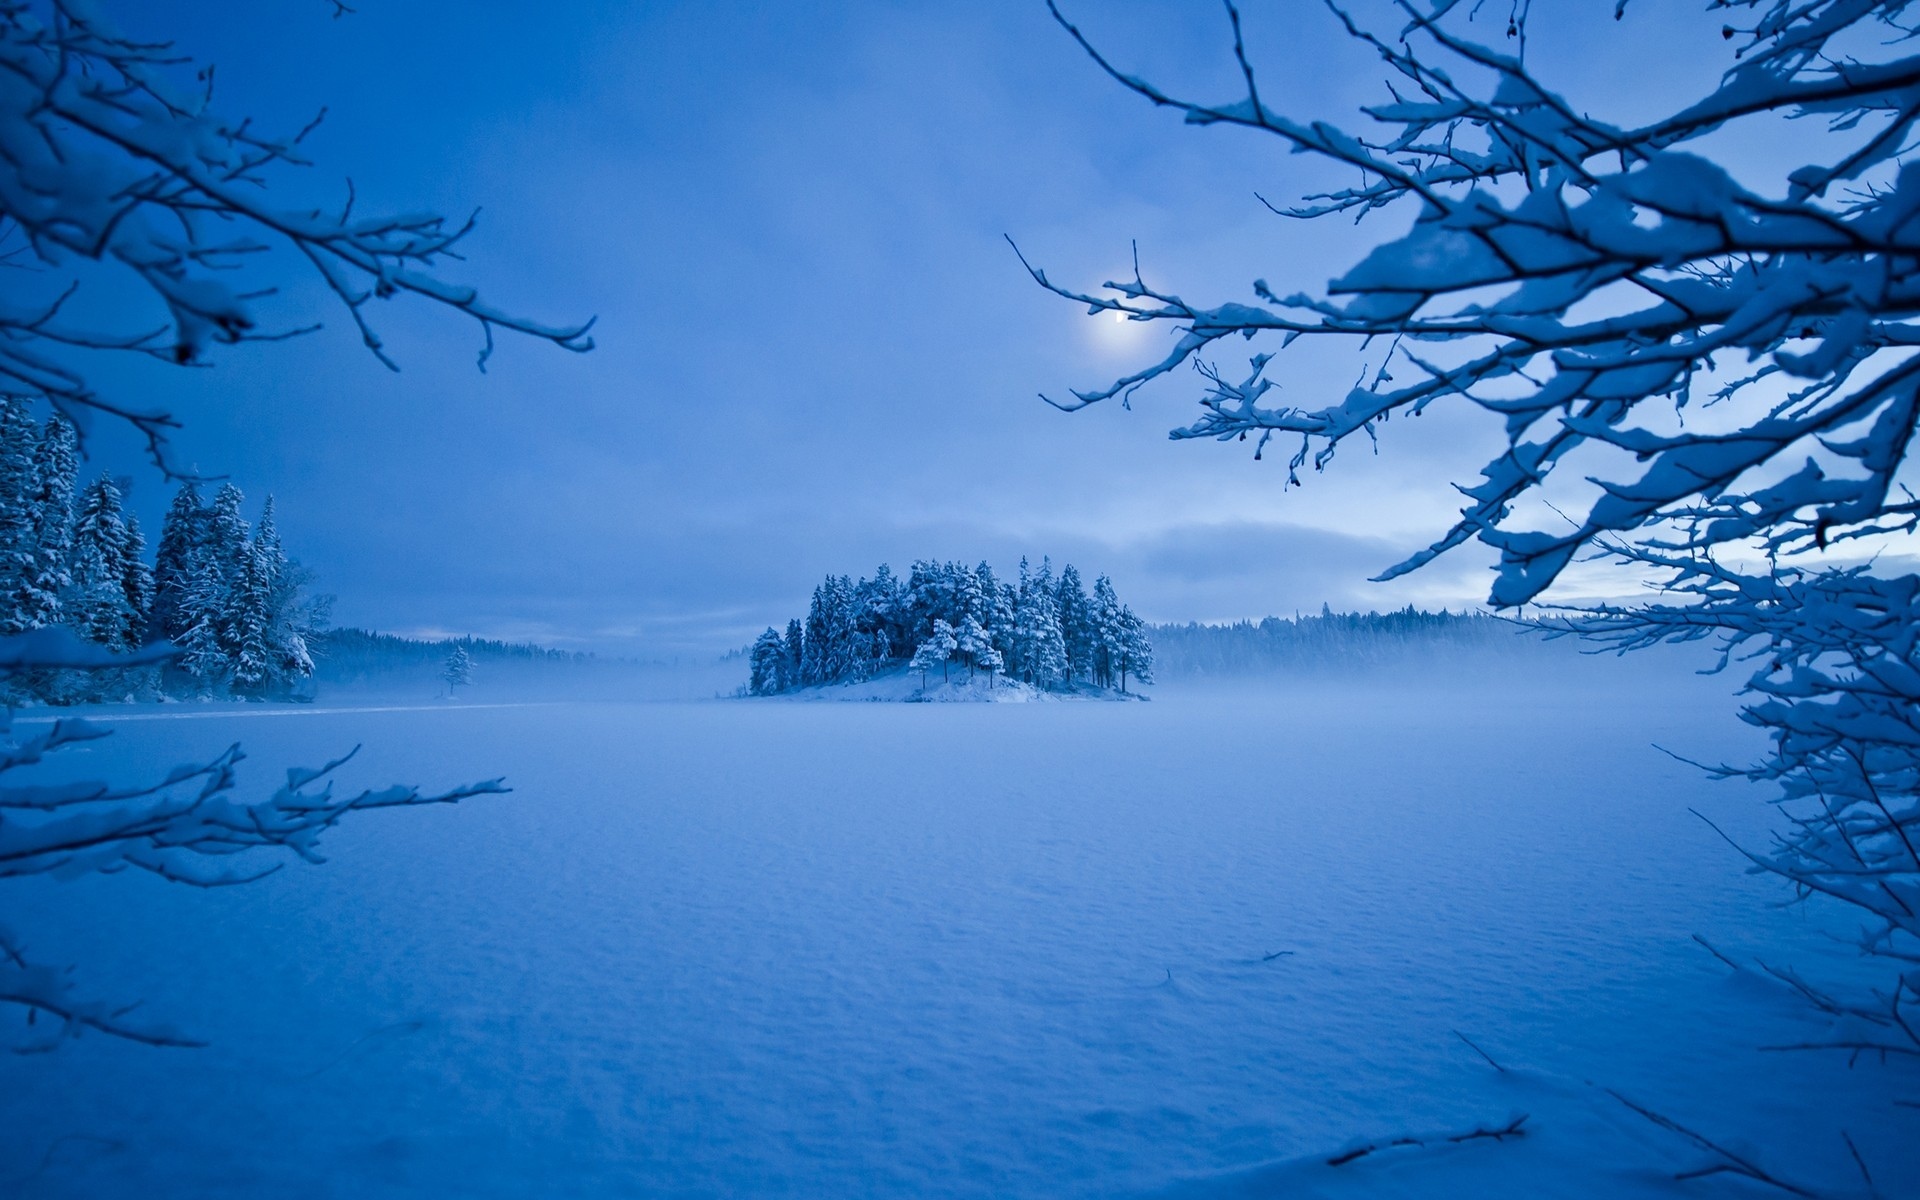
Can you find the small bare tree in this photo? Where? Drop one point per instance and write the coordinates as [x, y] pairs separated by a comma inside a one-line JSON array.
[[119, 177], [1590, 285]]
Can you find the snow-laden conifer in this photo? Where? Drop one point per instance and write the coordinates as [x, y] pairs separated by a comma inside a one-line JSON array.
[[937, 651], [35, 601], [182, 539], [1076, 623], [794, 644], [1108, 632], [97, 605], [458, 671], [1135, 650], [18, 436], [1042, 655], [137, 582], [292, 618], [765, 663]]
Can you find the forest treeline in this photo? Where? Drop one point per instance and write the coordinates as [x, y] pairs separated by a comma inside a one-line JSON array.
[[221, 589], [355, 656], [944, 617], [1331, 639]]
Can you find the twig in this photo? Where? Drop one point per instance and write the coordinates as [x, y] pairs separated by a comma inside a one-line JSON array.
[[1482, 1053], [1860, 1162], [1500, 1134], [1711, 949], [1730, 1163]]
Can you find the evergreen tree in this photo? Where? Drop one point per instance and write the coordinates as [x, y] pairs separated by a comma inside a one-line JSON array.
[[18, 437], [246, 626], [1108, 629], [458, 671], [1042, 651], [203, 653], [938, 649], [1076, 624], [35, 601], [970, 636], [765, 664], [137, 583], [96, 604], [795, 646], [1135, 650], [291, 619], [182, 539]]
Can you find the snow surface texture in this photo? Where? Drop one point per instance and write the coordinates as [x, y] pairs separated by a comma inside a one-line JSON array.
[[1189, 948]]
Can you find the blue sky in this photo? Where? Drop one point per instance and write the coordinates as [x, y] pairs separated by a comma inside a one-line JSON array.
[[816, 351]]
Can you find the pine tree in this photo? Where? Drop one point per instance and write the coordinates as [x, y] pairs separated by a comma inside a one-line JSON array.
[[1042, 651], [1136, 651], [182, 538], [1076, 624], [291, 620], [1108, 632], [795, 645], [203, 656], [96, 604], [137, 583], [971, 638], [246, 626], [35, 601], [814, 664], [458, 671], [764, 664], [938, 648], [18, 437]]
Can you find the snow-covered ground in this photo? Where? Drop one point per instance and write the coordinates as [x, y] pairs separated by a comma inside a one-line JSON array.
[[1187, 948]]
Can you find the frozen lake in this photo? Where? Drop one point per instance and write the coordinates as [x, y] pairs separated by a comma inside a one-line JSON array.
[[1190, 947]]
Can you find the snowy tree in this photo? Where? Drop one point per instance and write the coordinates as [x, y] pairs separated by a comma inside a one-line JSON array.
[[938, 650], [997, 603], [246, 626], [293, 618], [18, 435], [1134, 654], [458, 671], [98, 605], [1076, 623], [203, 659], [1108, 632], [183, 533], [766, 664], [137, 582], [122, 181], [47, 539], [795, 646], [1040, 650], [1584, 282], [971, 642]]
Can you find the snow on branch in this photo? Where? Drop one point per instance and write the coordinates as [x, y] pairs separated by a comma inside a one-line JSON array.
[[105, 158], [186, 827], [1534, 219], [1835, 683]]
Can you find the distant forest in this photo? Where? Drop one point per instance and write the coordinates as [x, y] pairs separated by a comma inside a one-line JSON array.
[[1331, 640], [355, 656]]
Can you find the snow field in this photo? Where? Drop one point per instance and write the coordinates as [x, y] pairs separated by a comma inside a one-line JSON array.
[[1191, 948]]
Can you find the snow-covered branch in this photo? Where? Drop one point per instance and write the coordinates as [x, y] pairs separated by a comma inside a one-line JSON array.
[[105, 158], [187, 827], [1583, 275]]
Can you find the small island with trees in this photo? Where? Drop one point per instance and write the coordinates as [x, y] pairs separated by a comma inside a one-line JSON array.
[[952, 632]]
